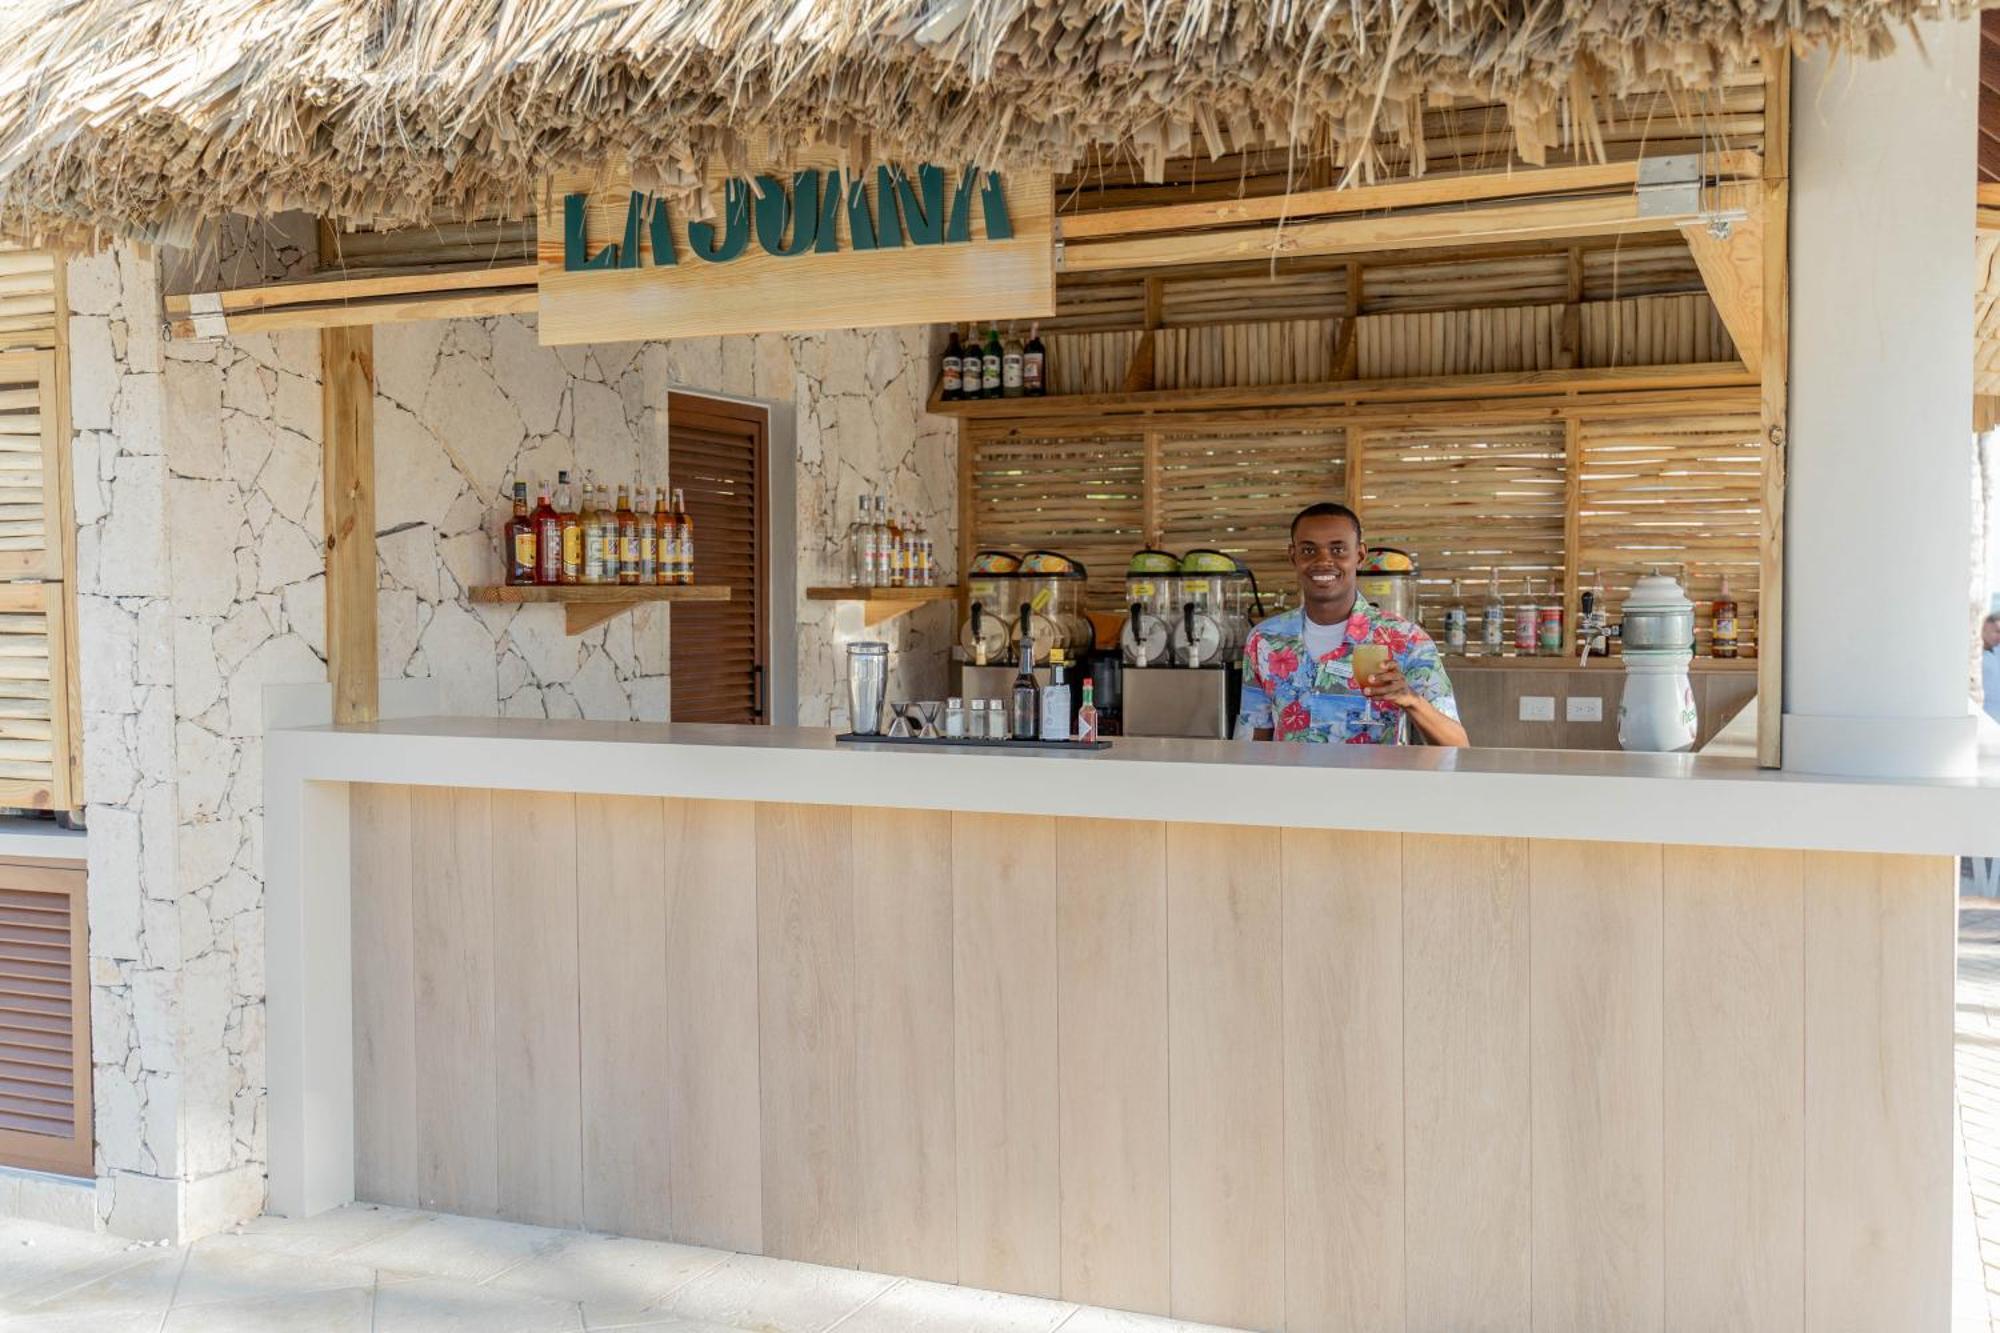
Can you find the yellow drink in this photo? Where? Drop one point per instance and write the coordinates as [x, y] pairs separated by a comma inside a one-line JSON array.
[[1369, 660]]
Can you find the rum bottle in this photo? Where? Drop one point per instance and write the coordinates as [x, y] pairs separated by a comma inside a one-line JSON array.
[[878, 561], [598, 561], [548, 539], [899, 554], [628, 538], [649, 544], [989, 365], [860, 548], [519, 539], [1010, 366], [663, 539], [683, 539], [569, 535]]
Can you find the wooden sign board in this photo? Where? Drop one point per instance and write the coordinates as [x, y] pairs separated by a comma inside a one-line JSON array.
[[802, 248]]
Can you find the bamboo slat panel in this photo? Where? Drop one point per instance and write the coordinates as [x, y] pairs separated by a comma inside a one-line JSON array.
[[1655, 331], [1080, 496], [1460, 342], [1089, 362], [1468, 500], [1682, 494], [1236, 491], [1207, 356], [27, 299]]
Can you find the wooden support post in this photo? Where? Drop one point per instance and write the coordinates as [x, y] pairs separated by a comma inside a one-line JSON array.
[[347, 407], [1572, 522], [1775, 349], [968, 449], [1347, 356], [1572, 327], [1357, 446], [1149, 473]]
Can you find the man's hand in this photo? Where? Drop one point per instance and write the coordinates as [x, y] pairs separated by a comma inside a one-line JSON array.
[[1389, 686]]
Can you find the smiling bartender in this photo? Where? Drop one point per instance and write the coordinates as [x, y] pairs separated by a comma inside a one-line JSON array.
[[1298, 680]]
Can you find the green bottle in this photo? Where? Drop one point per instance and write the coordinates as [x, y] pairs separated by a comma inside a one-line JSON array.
[[989, 370]]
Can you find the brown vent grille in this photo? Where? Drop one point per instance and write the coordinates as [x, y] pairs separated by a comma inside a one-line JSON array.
[[44, 1021]]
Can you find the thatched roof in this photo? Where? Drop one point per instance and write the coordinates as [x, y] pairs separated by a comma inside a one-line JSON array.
[[142, 117]]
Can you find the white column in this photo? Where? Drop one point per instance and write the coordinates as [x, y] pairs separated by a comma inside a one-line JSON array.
[[1878, 529]]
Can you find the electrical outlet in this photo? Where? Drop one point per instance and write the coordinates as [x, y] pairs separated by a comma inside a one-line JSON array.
[[1588, 708], [1538, 708]]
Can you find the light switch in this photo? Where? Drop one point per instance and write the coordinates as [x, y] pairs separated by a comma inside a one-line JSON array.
[[1586, 708], [1538, 708]]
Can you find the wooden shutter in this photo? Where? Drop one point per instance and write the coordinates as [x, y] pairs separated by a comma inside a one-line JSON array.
[[716, 454], [1236, 489], [1682, 493], [1466, 499], [45, 1121], [1077, 494], [38, 759]]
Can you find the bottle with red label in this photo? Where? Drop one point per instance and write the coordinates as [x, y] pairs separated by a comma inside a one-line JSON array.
[[547, 521]]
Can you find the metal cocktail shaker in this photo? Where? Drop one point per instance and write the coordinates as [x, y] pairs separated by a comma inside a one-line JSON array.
[[867, 686]]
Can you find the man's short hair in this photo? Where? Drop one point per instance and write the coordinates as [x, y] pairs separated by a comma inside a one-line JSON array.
[[1326, 509]]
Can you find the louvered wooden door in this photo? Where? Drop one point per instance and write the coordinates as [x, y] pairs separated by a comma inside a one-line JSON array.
[[716, 452], [45, 1122]]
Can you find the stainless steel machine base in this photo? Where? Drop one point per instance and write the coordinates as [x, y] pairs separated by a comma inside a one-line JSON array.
[[1180, 701]]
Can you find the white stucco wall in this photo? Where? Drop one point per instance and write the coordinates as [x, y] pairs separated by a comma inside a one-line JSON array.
[[200, 582]]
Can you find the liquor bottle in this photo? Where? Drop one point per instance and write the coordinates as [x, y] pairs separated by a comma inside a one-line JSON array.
[[1055, 701], [519, 539], [1454, 621], [1010, 366], [649, 543], [1025, 713], [596, 565], [1086, 716], [878, 562], [547, 530], [989, 365], [663, 539], [1549, 624], [1034, 364], [569, 555], [1526, 617], [1493, 617], [684, 539], [953, 383], [1723, 623], [923, 563], [628, 537], [899, 552]]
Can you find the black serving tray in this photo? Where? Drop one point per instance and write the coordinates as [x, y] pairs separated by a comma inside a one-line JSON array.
[[967, 743]]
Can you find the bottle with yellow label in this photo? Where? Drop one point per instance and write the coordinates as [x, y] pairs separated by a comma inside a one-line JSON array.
[[628, 538], [518, 539], [569, 553]]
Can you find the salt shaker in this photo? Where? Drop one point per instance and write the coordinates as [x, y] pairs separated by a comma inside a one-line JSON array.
[[954, 717], [975, 724]]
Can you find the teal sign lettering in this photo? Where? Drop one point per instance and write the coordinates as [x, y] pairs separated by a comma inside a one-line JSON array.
[[802, 216]]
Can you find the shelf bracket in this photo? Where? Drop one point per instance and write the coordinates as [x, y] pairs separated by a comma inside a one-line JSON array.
[[579, 617]]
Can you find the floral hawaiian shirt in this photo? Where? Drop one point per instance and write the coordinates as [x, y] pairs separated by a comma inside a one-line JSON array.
[[1302, 699]]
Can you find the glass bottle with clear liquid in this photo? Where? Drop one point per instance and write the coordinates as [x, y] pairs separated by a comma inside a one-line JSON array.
[[861, 547]]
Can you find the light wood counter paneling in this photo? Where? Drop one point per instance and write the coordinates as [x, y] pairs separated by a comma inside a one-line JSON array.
[[1319, 1080]]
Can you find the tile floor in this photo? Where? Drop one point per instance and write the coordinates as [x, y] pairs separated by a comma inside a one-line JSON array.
[[365, 1269]]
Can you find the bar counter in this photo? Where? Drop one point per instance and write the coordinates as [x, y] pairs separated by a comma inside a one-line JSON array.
[[1269, 1036]]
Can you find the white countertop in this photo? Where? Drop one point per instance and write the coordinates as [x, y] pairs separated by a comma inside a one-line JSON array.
[[1716, 800], [41, 840]]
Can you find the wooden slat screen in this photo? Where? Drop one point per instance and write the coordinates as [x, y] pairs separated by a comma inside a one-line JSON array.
[[716, 454], [45, 1121], [1236, 490], [1080, 495], [1468, 499], [32, 526], [1682, 493], [28, 296]]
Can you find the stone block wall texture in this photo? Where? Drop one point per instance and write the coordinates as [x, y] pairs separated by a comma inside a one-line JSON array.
[[199, 583]]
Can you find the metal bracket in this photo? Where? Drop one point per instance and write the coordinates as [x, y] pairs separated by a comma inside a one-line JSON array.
[[1669, 185], [205, 314]]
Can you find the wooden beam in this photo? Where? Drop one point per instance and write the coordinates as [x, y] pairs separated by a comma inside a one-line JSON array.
[[360, 314], [349, 289], [1572, 325], [1347, 355], [1549, 219], [1732, 268], [1775, 359], [347, 410], [1149, 486], [1422, 192], [1357, 449]]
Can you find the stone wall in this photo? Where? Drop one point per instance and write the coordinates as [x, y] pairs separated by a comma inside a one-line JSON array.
[[199, 583]]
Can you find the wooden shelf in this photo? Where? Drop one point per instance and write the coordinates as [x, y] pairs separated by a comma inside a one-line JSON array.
[[880, 604], [586, 606], [1479, 389]]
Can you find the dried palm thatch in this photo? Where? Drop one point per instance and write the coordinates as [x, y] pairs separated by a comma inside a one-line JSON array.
[[144, 117]]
